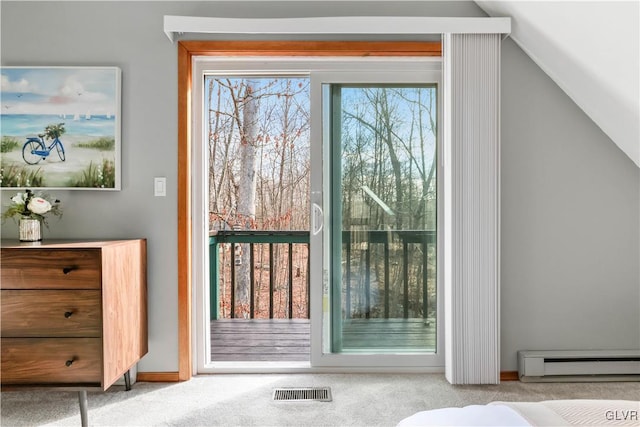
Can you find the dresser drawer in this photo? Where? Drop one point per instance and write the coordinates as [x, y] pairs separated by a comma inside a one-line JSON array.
[[29, 268], [50, 313], [43, 361]]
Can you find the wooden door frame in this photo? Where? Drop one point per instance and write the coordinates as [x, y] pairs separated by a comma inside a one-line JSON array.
[[186, 51]]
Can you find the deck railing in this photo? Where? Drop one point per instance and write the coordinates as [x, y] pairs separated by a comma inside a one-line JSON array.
[[401, 260], [279, 258], [278, 268]]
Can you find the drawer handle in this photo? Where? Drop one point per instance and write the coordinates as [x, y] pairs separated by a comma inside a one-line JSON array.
[[69, 362], [68, 314], [67, 270]]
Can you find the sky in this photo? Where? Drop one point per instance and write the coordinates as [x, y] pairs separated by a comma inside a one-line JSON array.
[[60, 90]]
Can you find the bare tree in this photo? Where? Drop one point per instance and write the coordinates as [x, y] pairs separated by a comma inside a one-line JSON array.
[[259, 147], [388, 137]]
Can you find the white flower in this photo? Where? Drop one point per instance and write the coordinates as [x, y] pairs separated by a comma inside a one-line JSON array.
[[39, 206], [17, 198]]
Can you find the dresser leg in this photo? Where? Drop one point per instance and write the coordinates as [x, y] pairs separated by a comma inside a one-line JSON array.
[[127, 380], [82, 397]]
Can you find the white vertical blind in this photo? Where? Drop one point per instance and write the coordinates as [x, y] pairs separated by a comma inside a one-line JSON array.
[[472, 207]]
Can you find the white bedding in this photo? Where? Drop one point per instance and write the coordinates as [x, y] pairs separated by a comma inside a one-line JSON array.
[[545, 413], [472, 415]]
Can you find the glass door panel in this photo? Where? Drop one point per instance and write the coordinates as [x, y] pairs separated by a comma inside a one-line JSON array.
[[257, 144], [383, 216]]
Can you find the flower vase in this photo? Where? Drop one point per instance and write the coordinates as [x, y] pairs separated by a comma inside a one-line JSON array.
[[30, 230]]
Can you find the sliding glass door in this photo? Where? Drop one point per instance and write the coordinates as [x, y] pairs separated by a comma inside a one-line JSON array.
[[369, 264], [383, 217], [380, 235]]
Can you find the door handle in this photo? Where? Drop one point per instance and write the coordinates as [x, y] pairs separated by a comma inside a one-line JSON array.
[[317, 219]]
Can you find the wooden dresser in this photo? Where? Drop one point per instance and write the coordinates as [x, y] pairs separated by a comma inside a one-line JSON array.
[[73, 313]]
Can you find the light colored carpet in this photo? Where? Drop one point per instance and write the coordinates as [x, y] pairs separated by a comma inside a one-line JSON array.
[[246, 400]]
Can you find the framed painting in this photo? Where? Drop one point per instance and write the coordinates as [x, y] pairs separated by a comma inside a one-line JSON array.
[[60, 127]]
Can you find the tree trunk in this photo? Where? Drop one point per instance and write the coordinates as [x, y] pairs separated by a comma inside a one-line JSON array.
[[214, 132], [246, 192]]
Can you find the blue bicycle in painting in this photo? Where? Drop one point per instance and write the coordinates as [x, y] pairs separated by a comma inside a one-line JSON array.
[[36, 149]]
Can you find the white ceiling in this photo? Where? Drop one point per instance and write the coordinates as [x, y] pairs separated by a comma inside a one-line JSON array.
[[591, 49]]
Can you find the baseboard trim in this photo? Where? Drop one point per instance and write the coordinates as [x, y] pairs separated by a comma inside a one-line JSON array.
[[507, 376], [169, 377], [158, 377]]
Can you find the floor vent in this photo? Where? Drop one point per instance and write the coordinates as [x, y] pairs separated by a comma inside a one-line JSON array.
[[320, 394]]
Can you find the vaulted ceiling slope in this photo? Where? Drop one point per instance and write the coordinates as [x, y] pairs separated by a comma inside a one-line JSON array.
[[591, 49]]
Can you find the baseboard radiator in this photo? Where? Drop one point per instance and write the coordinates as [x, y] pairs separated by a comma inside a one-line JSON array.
[[579, 366]]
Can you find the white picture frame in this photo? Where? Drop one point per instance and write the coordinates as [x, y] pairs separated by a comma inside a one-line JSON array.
[[87, 102]]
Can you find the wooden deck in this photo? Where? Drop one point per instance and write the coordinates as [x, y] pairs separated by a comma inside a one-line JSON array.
[[239, 340], [388, 335]]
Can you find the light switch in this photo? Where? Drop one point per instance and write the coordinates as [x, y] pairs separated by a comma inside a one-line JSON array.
[[159, 186]]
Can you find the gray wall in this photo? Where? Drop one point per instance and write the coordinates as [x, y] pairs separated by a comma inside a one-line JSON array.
[[570, 198], [570, 222]]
